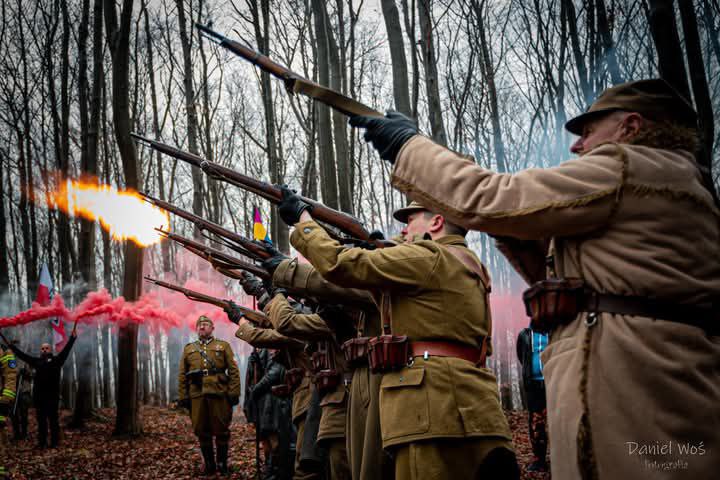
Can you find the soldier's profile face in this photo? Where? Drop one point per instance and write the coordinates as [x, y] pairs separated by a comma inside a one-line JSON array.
[[205, 329], [607, 128], [419, 223]]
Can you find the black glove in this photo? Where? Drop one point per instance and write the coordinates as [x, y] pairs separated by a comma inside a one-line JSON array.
[[374, 235], [234, 400], [252, 285], [387, 134], [276, 256], [233, 312], [184, 403], [291, 206]]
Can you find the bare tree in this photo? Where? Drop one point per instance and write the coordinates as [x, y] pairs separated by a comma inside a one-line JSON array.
[[437, 127]]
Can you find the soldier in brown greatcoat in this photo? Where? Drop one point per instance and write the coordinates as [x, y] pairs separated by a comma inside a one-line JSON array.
[[632, 378], [440, 412], [209, 383]]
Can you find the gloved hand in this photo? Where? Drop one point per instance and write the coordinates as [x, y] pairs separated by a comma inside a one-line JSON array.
[[388, 134], [234, 400], [374, 235], [233, 312], [276, 256], [252, 285], [291, 206]]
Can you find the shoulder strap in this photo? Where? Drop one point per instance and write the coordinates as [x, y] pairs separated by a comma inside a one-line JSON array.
[[478, 269], [204, 355]]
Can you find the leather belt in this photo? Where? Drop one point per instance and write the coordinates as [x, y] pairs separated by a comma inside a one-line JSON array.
[[706, 318], [427, 349]]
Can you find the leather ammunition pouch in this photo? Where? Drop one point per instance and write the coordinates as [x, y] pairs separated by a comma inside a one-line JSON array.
[[327, 380], [320, 360], [553, 302], [388, 352], [356, 351]]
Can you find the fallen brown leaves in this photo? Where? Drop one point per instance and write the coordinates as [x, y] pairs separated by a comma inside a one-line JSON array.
[[166, 450]]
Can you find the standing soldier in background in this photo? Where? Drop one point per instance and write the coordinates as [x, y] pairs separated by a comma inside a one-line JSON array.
[[530, 344], [22, 404], [634, 253], [8, 382], [209, 384]]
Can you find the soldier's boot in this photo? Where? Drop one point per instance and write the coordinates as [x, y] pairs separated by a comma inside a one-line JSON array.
[[222, 459], [209, 459], [270, 470]]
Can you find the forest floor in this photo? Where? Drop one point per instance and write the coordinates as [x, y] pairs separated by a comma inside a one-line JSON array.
[[166, 450]]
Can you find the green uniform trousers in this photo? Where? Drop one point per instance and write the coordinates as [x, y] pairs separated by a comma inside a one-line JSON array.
[[300, 474], [364, 441], [211, 416], [338, 468], [466, 459]]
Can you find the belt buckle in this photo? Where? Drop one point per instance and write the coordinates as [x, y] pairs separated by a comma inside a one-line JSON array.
[[205, 372]]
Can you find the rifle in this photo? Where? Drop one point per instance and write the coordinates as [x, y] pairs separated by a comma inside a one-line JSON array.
[[322, 213], [221, 261], [294, 83], [237, 242], [253, 316]]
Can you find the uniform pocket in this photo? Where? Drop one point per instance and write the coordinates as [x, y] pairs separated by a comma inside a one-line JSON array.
[[404, 405]]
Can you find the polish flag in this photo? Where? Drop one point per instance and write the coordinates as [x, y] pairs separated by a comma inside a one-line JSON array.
[[43, 297]]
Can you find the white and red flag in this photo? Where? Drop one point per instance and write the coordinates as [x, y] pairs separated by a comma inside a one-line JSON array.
[[43, 297]]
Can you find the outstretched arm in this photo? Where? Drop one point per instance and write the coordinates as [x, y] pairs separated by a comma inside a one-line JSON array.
[[63, 355]]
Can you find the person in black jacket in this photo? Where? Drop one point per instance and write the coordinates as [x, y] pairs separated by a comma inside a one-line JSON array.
[[530, 345], [46, 389]]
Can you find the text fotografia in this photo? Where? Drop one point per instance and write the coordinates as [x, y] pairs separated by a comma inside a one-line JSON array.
[[665, 448]]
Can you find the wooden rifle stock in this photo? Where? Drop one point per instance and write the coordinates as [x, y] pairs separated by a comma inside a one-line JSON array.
[[253, 316], [237, 242], [294, 83], [348, 224], [221, 261]]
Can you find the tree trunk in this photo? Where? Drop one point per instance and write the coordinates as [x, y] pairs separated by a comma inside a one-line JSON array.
[[432, 88], [261, 24], [127, 421], [701, 92], [607, 42], [192, 120], [401, 90], [164, 246], [328, 173], [667, 44], [571, 19], [409, 19], [4, 265]]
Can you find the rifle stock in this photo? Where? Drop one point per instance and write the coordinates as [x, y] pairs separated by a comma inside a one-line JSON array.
[[322, 213], [294, 83], [253, 316], [239, 243], [221, 261]]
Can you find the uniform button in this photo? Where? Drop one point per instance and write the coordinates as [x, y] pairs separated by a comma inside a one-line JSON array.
[[401, 379], [306, 230]]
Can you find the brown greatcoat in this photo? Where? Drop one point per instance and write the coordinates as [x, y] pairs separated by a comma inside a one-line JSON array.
[[364, 442], [629, 220], [429, 294]]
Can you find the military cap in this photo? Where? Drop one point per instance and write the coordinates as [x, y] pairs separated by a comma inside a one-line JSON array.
[[402, 214], [653, 98], [203, 318]]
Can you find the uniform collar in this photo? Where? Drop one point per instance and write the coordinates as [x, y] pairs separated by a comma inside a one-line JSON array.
[[206, 341], [452, 240]]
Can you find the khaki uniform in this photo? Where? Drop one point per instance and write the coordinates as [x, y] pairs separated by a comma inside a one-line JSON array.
[[426, 293], [269, 338], [312, 327], [363, 440], [210, 394], [8, 386], [629, 220]]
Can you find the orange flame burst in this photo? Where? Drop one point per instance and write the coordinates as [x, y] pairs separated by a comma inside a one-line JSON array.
[[123, 213]]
